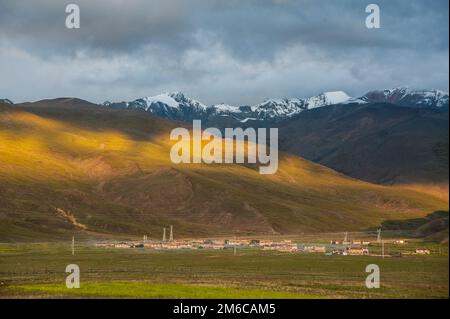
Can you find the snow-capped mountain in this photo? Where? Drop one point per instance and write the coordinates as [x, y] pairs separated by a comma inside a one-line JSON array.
[[177, 106], [328, 98], [275, 108], [223, 108], [6, 101], [404, 96]]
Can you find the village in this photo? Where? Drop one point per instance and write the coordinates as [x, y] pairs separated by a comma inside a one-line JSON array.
[[334, 247]]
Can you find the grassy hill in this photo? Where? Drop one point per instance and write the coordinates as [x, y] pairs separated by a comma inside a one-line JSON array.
[[68, 166]]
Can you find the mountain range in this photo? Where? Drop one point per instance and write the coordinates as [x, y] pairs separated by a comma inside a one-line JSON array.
[[177, 106], [68, 166], [393, 136]]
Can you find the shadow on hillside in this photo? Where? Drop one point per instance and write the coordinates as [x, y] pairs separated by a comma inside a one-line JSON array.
[[433, 227]]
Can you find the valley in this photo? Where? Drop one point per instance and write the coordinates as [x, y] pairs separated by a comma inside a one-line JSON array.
[[245, 152], [37, 271], [103, 176]]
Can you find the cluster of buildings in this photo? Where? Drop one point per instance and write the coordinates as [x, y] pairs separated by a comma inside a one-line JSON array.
[[202, 244], [346, 247], [272, 245], [419, 251], [283, 246], [335, 247], [352, 243]]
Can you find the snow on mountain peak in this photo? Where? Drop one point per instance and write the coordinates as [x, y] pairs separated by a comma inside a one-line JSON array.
[[225, 108], [327, 98], [173, 100], [336, 97], [177, 106], [405, 96], [272, 108], [164, 98]]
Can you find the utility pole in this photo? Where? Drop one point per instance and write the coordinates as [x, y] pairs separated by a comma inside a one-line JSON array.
[[73, 245], [379, 235]]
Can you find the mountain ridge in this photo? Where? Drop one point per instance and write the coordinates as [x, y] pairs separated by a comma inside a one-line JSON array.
[[332, 135], [376, 142], [177, 106], [111, 170]]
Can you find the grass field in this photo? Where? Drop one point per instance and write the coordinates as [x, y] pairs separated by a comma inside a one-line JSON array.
[[37, 271], [149, 290]]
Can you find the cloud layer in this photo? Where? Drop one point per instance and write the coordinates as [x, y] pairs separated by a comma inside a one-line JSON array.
[[237, 52]]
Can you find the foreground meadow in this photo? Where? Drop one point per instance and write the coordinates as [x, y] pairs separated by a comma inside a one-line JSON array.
[[38, 271]]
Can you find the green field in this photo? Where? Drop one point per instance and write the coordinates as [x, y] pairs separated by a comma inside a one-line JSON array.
[[38, 271]]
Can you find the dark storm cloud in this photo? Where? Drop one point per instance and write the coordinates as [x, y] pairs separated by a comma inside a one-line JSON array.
[[247, 27], [220, 51], [108, 26]]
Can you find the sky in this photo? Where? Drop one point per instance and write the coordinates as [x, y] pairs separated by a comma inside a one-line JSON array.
[[239, 52]]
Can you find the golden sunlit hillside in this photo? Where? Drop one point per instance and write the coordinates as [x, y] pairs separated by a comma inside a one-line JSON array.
[[68, 166]]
